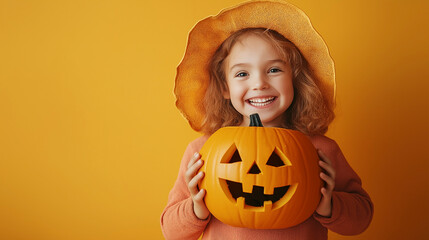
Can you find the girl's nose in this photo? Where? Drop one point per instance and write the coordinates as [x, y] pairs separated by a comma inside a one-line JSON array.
[[260, 82]]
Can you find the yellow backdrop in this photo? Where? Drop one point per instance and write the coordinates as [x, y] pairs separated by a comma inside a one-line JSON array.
[[90, 139]]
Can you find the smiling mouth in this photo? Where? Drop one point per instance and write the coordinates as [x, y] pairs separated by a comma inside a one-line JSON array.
[[260, 102], [257, 197]]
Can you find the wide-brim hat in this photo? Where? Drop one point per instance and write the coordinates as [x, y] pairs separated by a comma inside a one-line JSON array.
[[207, 35]]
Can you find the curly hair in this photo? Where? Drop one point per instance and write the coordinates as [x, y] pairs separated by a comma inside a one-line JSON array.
[[309, 113]]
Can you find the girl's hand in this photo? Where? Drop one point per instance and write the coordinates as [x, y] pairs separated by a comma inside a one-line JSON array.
[[328, 176], [192, 179]]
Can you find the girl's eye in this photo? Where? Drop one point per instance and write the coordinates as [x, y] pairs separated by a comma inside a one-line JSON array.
[[274, 70], [241, 74]]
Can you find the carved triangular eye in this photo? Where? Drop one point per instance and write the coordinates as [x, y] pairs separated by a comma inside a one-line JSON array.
[[235, 157], [275, 160], [231, 155]]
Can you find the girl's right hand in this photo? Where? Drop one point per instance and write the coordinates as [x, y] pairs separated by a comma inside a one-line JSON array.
[[192, 180]]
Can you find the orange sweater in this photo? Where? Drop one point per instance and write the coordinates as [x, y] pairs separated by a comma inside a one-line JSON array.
[[352, 208]]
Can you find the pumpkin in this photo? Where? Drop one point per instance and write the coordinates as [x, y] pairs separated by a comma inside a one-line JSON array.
[[260, 177]]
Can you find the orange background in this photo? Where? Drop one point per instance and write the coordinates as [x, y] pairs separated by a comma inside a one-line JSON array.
[[90, 139]]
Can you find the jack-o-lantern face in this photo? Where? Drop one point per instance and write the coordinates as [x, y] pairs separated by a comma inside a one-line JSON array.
[[249, 189], [259, 177]]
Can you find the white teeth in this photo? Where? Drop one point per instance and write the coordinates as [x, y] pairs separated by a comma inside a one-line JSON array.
[[259, 102]]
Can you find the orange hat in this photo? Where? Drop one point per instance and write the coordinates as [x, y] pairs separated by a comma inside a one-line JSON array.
[[192, 76]]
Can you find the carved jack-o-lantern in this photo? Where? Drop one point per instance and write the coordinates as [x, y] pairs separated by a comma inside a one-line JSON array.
[[260, 177]]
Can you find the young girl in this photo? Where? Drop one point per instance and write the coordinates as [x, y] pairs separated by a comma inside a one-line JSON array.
[[261, 57]]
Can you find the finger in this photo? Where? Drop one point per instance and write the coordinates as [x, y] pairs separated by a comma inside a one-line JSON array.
[[200, 196], [329, 180], [193, 184], [194, 158], [330, 183], [192, 170], [328, 168], [323, 156], [325, 192]]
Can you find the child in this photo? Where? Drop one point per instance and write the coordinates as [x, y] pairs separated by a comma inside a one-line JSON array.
[[261, 57]]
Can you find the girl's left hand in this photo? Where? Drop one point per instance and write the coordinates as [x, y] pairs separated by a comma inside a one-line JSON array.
[[328, 176]]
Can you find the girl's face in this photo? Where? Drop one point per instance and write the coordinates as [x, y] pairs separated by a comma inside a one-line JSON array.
[[259, 80]]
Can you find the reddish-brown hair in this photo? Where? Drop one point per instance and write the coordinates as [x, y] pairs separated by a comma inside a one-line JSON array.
[[308, 113]]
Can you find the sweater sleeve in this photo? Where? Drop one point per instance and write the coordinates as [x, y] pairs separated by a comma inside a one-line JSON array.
[[352, 208], [178, 220]]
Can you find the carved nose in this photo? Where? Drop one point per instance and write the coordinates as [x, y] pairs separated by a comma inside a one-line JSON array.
[[254, 169]]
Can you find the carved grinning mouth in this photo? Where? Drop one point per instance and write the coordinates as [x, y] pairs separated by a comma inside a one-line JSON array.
[[257, 197]]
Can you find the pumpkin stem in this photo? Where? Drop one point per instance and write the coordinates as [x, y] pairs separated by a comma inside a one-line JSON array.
[[255, 121]]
